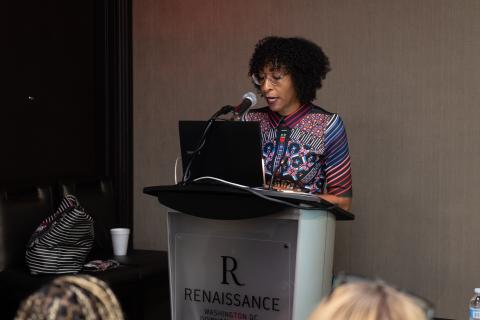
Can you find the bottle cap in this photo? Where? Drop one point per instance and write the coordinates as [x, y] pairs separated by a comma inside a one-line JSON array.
[[477, 290]]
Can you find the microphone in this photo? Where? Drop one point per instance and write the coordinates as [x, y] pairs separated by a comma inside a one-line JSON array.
[[249, 100]]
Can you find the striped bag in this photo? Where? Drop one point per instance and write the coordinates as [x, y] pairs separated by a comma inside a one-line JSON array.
[[61, 242]]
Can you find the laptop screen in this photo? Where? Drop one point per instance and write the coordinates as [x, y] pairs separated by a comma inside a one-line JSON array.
[[232, 151]]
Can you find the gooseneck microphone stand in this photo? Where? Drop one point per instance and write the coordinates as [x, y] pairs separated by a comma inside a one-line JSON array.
[[201, 143]]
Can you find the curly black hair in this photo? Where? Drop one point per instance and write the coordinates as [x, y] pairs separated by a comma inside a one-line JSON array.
[[304, 60]]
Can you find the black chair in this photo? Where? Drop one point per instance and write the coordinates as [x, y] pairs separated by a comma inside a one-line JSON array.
[[141, 281]]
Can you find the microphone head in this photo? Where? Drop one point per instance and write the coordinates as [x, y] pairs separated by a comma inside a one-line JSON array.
[[252, 97]]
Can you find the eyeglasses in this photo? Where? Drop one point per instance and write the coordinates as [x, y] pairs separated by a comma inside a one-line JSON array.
[[275, 78], [423, 303]]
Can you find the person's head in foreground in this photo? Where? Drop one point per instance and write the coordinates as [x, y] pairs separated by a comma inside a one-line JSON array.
[[72, 297], [370, 300]]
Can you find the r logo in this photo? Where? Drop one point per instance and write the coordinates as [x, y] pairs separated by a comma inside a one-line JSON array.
[[229, 268]]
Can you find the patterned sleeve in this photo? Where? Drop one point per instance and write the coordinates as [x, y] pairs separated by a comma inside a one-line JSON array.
[[337, 159]]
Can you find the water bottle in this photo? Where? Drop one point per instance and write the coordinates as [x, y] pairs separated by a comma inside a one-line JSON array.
[[475, 305]]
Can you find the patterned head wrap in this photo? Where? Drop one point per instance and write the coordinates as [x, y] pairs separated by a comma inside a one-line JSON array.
[[79, 297]]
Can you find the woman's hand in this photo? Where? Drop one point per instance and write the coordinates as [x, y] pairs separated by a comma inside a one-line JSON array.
[[343, 202]]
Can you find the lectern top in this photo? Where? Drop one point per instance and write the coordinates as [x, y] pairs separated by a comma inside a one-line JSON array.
[[225, 202]]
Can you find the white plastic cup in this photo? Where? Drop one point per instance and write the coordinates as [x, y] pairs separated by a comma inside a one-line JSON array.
[[120, 240]]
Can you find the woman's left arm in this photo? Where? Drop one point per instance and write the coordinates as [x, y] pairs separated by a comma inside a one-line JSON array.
[[337, 163]]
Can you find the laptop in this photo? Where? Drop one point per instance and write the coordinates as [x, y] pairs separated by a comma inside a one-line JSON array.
[[232, 151]]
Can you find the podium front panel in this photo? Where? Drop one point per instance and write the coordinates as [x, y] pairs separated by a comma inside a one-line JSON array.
[[224, 269]]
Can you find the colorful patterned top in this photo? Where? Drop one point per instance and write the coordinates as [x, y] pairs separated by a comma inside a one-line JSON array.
[[306, 150]]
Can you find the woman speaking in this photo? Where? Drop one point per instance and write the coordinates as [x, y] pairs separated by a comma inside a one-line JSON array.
[[305, 147]]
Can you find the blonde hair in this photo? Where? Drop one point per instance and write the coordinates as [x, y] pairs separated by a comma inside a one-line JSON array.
[[368, 301], [72, 297]]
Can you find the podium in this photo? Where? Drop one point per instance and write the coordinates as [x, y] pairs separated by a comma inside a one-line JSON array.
[[238, 254]]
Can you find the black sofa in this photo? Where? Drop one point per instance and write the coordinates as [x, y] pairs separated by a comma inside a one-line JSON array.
[[140, 283]]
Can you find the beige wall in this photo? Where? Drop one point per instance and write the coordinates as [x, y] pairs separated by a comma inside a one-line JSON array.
[[406, 80]]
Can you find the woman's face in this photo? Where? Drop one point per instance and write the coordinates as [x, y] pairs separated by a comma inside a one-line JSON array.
[[277, 87]]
